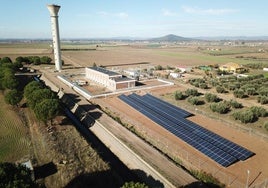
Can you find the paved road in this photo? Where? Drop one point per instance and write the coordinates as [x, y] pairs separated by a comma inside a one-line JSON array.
[[106, 129]]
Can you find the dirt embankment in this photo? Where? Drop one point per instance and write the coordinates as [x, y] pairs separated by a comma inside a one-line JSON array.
[[62, 157]]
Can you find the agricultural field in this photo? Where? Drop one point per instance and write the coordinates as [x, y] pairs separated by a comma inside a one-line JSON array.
[[143, 56], [14, 135], [110, 54]]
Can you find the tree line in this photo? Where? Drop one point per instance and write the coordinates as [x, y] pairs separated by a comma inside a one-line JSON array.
[[40, 99]]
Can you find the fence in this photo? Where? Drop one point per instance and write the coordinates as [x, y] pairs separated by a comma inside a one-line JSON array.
[[191, 161]]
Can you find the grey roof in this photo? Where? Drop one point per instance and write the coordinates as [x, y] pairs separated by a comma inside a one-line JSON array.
[[122, 79], [105, 71]]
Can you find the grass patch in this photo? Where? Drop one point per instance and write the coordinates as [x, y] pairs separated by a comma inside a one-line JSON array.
[[207, 178], [14, 141]]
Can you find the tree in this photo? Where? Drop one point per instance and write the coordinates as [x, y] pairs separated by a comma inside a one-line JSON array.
[[45, 60], [221, 107], [20, 59], [17, 65], [220, 89], [38, 96], [259, 111], [30, 87], [251, 91], [9, 80], [47, 109], [263, 99], [211, 97], [246, 116], [191, 92], [158, 67], [179, 95], [263, 91], [195, 101], [203, 86], [13, 97], [235, 104], [134, 185], [239, 93], [266, 125], [12, 176], [5, 60]]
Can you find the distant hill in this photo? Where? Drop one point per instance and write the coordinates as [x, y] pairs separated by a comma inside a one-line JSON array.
[[171, 38], [230, 38]]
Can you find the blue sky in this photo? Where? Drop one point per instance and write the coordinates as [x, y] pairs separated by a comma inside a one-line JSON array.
[[135, 18]]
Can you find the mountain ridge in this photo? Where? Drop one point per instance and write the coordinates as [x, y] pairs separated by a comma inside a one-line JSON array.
[[171, 38]]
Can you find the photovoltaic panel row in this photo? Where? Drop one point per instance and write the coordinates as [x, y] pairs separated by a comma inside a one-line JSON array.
[[173, 120], [163, 104], [208, 149], [216, 154], [222, 143]]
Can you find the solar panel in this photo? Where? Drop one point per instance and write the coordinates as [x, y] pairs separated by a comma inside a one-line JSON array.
[[202, 145], [166, 105], [222, 143], [173, 119]]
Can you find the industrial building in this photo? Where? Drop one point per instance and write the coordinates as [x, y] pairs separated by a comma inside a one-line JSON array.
[[109, 79]]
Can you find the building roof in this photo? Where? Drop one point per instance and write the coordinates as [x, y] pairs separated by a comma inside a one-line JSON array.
[[104, 71], [231, 64], [123, 79]]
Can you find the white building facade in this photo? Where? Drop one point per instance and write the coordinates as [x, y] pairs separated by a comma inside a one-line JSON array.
[[109, 79]]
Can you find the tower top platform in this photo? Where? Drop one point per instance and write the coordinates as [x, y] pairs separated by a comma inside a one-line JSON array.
[[53, 9]]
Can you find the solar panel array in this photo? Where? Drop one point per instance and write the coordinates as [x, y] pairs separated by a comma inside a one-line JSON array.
[[173, 119]]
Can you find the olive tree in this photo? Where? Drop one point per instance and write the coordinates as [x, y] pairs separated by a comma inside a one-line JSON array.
[[211, 97], [179, 95], [221, 107], [246, 116]]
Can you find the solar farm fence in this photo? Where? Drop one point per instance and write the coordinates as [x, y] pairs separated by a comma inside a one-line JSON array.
[[236, 126]]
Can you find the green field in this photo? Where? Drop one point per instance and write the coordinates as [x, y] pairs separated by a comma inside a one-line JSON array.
[[14, 140], [204, 58]]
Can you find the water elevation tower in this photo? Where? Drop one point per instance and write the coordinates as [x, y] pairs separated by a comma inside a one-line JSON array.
[[53, 10]]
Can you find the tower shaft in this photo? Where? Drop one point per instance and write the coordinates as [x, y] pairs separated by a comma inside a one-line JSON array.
[[54, 9]]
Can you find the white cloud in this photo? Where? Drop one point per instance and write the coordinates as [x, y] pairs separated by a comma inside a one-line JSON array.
[[107, 14], [196, 10], [167, 12], [122, 15]]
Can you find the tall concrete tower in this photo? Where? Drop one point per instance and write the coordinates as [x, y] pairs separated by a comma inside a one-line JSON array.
[[53, 10]]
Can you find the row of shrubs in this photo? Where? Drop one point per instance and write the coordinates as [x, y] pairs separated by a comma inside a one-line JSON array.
[[222, 106], [241, 87]]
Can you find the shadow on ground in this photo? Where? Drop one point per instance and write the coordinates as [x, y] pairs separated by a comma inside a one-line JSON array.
[[119, 172], [45, 170], [106, 179]]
